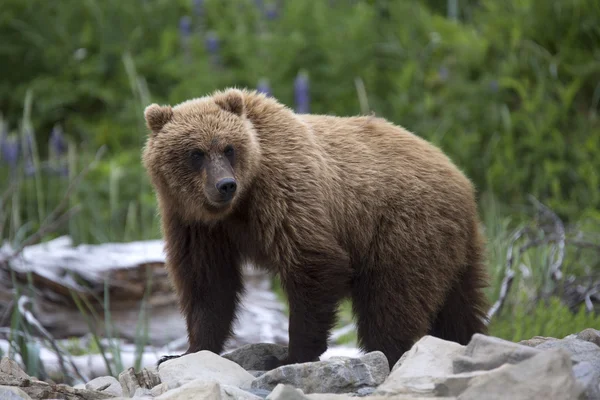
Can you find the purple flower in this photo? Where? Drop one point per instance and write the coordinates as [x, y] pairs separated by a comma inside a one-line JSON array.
[[199, 8], [443, 73], [301, 93], [57, 142], [260, 4], [10, 150], [185, 26], [272, 12], [263, 87], [494, 86], [212, 42]]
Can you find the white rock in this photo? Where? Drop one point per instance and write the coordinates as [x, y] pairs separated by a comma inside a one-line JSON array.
[[207, 366], [287, 392], [430, 356], [13, 393], [229, 392], [196, 389], [114, 387]]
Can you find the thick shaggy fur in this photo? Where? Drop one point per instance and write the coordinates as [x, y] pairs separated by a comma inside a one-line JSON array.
[[336, 206]]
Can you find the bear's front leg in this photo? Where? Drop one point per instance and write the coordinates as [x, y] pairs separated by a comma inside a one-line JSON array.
[[207, 276], [314, 287]]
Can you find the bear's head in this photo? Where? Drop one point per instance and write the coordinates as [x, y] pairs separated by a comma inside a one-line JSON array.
[[202, 154]]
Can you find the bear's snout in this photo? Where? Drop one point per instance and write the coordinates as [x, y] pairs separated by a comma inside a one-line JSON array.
[[227, 187]]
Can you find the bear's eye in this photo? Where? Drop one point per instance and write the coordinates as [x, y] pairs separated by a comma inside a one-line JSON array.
[[228, 151], [197, 157]]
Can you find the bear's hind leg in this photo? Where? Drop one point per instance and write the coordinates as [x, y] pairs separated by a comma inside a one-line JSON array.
[[388, 318], [465, 307]]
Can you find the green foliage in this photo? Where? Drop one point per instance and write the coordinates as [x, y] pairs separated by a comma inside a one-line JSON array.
[[549, 318], [509, 89]]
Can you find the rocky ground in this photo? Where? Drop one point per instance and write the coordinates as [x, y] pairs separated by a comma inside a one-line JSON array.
[[486, 368]]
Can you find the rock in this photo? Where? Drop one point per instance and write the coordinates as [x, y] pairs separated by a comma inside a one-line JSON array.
[[195, 389], [580, 350], [234, 393], [546, 375], [534, 341], [13, 393], [262, 393], [589, 377], [256, 356], [142, 392], [11, 368], [256, 374], [590, 335], [207, 366], [427, 359], [130, 381], [429, 356], [427, 386], [286, 392], [336, 375], [106, 384], [166, 386], [488, 352]]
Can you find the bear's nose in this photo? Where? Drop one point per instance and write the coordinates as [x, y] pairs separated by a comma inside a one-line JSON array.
[[226, 186]]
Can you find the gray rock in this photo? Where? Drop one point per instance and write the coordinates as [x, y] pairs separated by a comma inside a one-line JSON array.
[[484, 353], [256, 356], [256, 374], [336, 375], [589, 377], [207, 366], [580, 350], [534, 341], [11, 368], [130, 381], [106, 384], [590, 335], [547, 375], [13, 393]]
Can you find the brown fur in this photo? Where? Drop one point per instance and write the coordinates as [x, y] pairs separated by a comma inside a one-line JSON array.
[[336, 206]]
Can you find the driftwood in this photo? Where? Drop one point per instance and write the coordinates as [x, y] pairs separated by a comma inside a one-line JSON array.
[[550, 231], [133, 276]]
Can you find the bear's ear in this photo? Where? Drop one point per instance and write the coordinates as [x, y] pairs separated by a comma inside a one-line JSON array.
[[231, 101], [157, 116]]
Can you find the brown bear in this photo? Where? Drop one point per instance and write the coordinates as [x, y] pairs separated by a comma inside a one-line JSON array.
[[336, 206]]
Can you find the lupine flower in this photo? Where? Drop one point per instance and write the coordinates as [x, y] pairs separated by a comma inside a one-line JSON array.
[[185, 26], [185, 31], [272, 11], [28, 153], [301, 93], [212, 46], [10, 150], [443, 73], [212, 42], [263, 87], [494, 86], [57, 142], [199, 8], [3, 134]]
